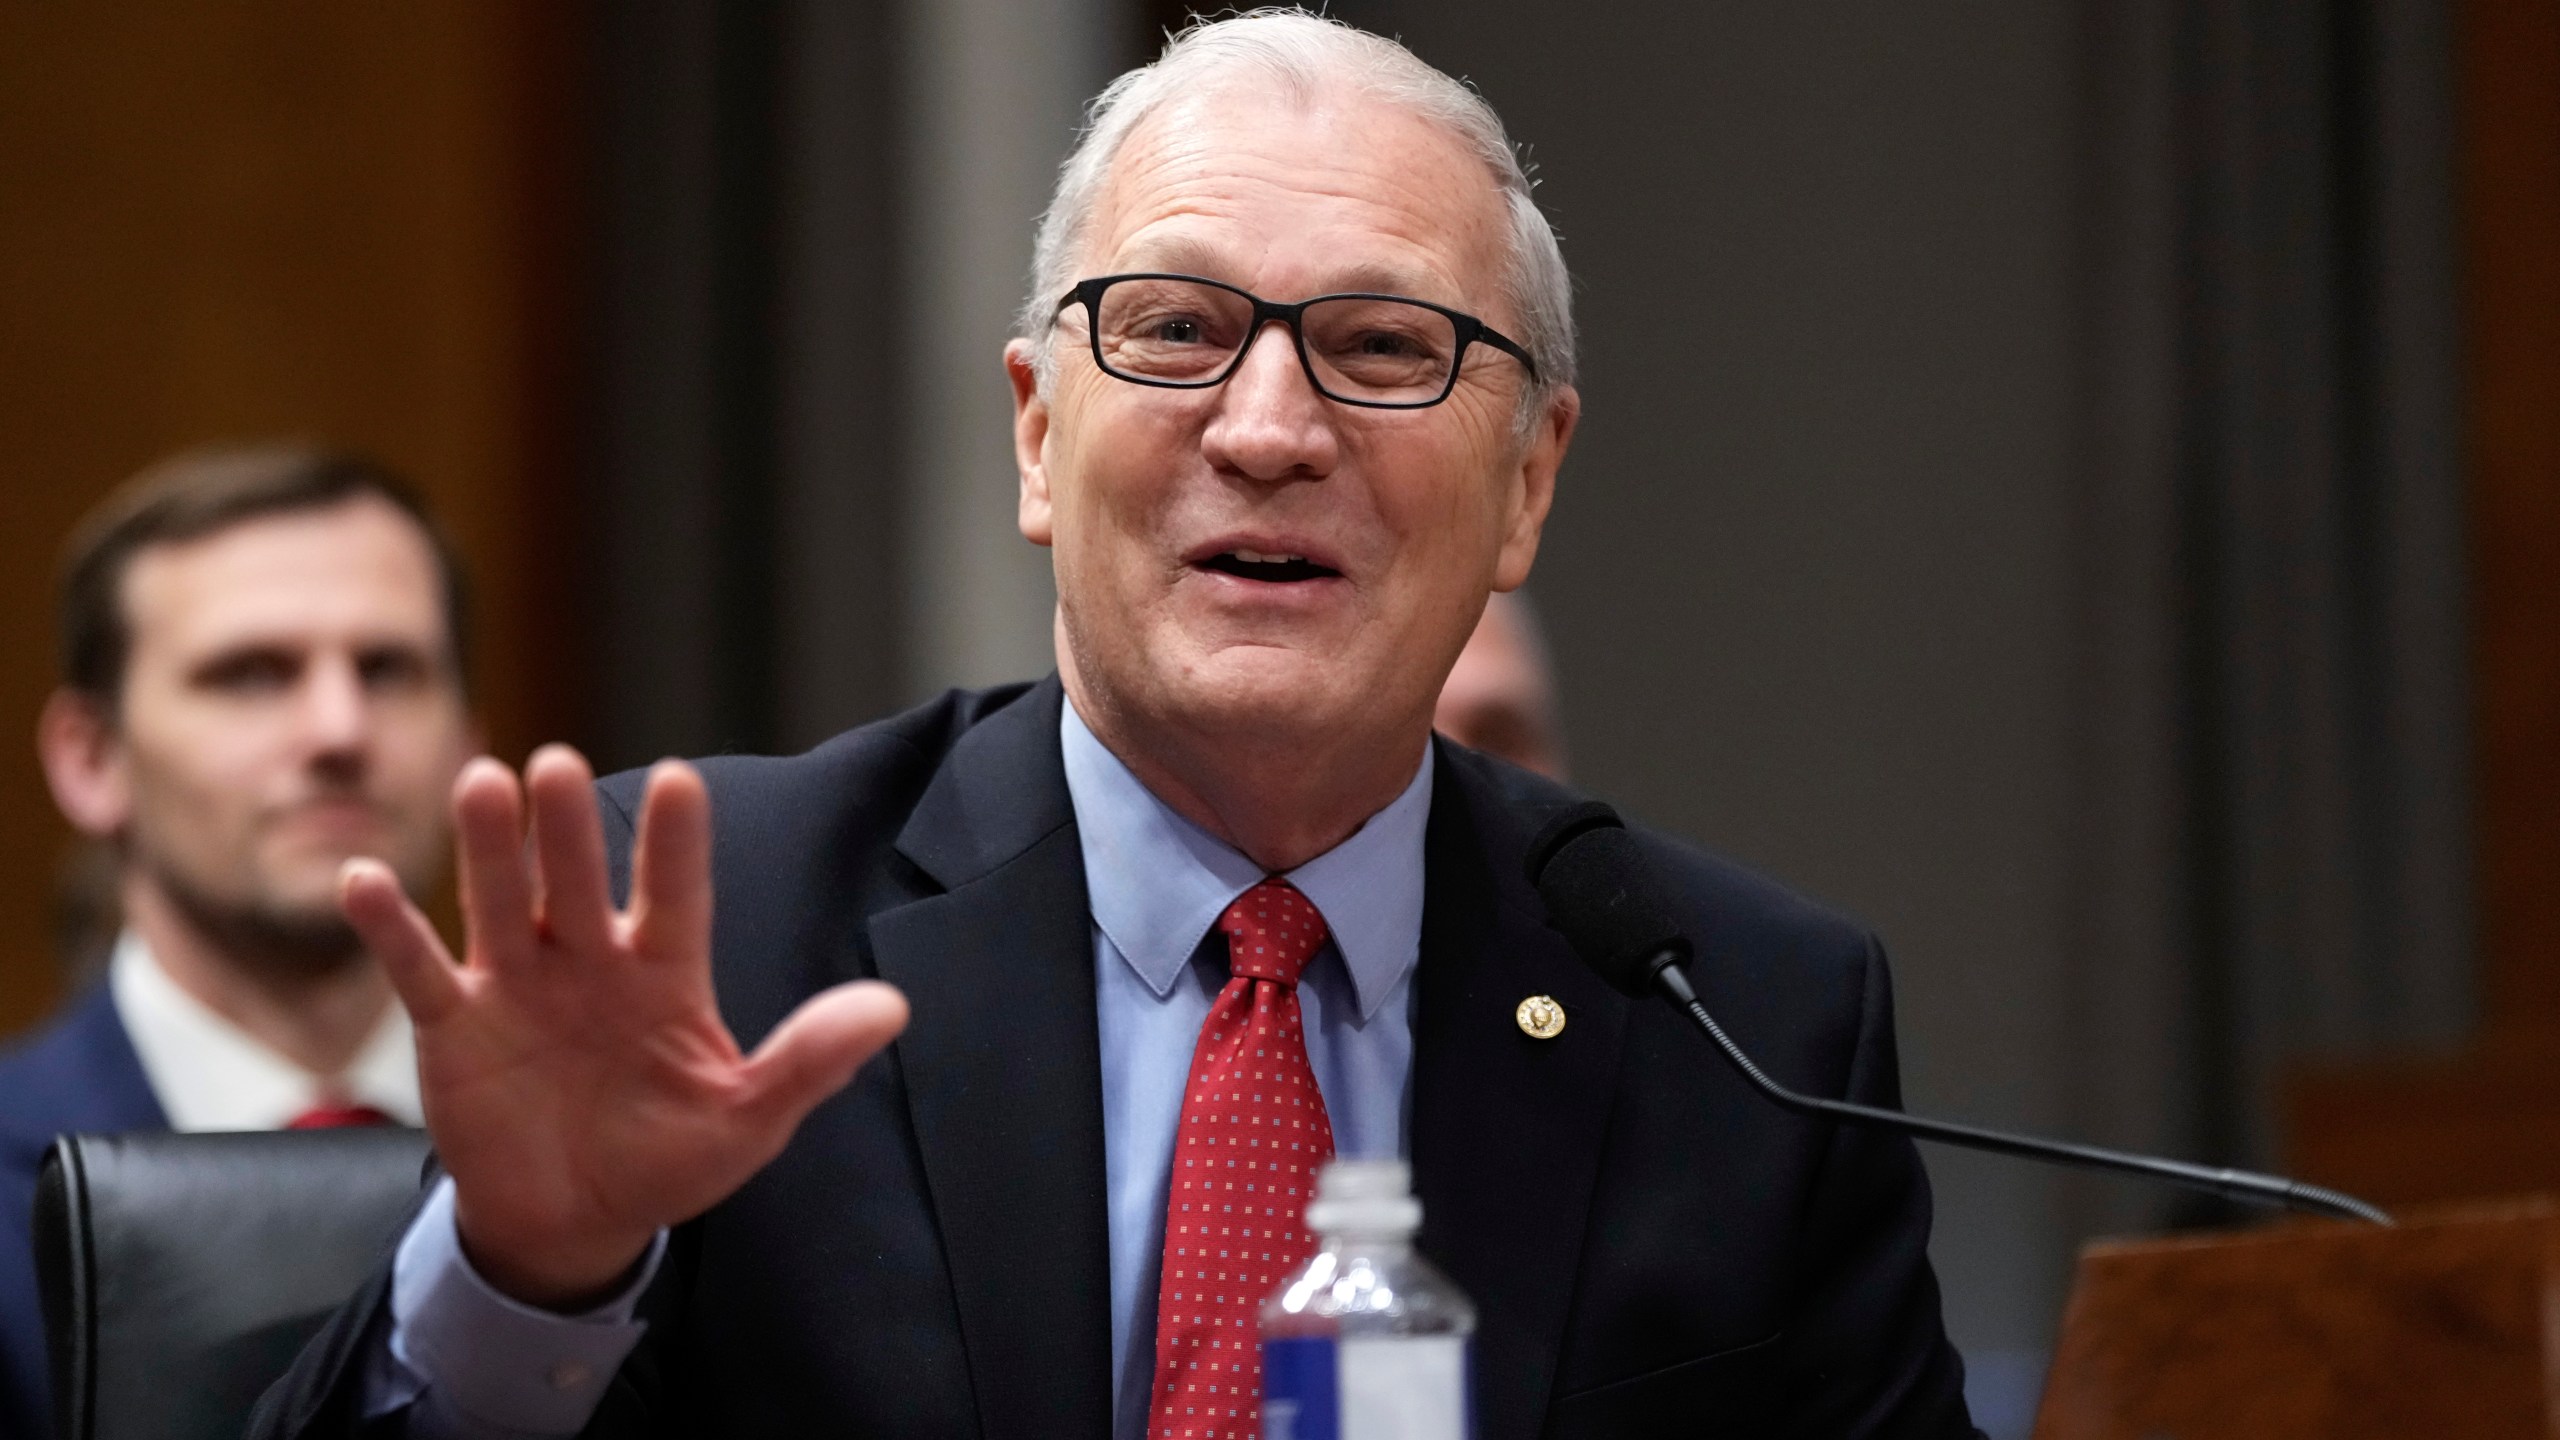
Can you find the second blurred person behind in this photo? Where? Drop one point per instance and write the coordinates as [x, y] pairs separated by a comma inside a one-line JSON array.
[[1501, 695]]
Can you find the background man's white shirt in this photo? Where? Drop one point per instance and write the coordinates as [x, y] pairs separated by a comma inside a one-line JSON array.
[[209, 1074]]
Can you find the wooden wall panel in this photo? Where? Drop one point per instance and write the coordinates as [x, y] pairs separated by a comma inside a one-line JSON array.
[[243, 218], [2487, 1123], [2511, 213]]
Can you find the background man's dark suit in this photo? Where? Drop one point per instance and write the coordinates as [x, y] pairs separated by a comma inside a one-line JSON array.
[[78, 1074], [1655, 1251]]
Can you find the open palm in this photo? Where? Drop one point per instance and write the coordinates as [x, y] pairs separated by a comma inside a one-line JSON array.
[[580, 1085]]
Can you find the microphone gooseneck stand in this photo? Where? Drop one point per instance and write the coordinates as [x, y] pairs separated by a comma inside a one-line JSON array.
[[2243, 1185], [1600, 893]]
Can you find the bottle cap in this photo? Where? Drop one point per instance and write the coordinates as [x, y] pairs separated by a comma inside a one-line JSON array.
[[1365, 1197]]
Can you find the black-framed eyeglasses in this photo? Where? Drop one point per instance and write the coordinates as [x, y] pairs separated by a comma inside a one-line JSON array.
[[1183, 332]]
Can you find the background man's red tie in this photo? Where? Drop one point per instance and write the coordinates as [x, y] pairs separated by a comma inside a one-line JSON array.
[[1253, 1133], [337, 1117]]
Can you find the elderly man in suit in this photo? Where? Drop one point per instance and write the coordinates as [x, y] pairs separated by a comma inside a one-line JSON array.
[[261, 678], [1291, 393]]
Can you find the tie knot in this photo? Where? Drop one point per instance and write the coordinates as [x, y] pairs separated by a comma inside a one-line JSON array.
[[1272, 932]]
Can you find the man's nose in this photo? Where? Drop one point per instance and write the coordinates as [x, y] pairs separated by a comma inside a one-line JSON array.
[[1270, 422], [336, 712]]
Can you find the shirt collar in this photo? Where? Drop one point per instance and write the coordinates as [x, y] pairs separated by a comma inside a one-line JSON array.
[[209, 1074], [1157, 882]]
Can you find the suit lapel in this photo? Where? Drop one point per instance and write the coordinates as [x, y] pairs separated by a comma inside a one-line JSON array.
[[1003, 1072], [1507, 1129]]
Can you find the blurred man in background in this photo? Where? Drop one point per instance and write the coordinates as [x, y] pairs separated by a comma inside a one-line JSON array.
[[261, 677], [1500, 697]]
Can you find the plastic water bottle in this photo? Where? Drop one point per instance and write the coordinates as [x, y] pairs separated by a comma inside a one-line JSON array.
[[1367, 1341]]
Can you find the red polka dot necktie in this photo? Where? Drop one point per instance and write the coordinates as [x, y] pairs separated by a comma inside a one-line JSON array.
[[1253, 1133]]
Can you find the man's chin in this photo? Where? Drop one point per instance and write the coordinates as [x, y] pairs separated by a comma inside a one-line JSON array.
[[292, 929], [1264, 689], [313, 940], [287, 939]]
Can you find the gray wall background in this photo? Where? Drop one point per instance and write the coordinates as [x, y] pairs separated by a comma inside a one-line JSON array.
[[2017, 435], [1809, 573]]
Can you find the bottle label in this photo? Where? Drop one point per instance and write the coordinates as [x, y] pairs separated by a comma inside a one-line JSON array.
[[1388, 1387], [1298, 1391]]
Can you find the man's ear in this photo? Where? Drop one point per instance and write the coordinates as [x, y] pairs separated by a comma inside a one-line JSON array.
[[85, 763], [1030, 440], [1535, 494]]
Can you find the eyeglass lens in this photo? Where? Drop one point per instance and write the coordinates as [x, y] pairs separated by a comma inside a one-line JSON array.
[[1183, 332]]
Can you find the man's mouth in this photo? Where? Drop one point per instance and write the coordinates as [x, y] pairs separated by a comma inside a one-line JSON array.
[[1267, 567], [335, 812]]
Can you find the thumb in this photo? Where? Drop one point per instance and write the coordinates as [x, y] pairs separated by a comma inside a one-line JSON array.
[[814, 1052]]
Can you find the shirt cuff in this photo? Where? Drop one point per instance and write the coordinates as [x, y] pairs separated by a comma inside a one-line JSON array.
[[491, 1359]]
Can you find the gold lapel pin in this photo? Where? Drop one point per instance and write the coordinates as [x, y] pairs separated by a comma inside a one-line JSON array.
[[1540, 1017]]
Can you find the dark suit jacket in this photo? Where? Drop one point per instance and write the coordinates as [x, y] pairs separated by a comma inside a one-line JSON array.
[[1655, 1251], [78, 1075]]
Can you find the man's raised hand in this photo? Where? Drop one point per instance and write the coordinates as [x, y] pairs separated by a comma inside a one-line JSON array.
[[580, 1085]]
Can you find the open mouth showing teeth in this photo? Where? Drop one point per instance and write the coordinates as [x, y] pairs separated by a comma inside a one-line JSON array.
[[1276, 569]]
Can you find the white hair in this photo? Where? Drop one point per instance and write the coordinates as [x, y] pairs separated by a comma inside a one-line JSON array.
[[1302, 55]]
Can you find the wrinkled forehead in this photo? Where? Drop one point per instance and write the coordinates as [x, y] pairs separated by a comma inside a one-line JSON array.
[[1297, 194]]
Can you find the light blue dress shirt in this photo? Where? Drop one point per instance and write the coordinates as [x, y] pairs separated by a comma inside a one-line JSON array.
[[472, 1363]]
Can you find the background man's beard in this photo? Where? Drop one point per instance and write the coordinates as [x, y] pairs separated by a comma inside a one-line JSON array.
[[271, 939]]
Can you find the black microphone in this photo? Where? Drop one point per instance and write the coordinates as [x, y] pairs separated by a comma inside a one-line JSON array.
[[1601, 893]]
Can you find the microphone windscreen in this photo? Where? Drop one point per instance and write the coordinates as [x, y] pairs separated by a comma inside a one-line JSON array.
[[1602, 896], [1561, 828]]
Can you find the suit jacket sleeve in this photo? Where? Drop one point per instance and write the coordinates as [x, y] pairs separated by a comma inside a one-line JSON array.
[[321, 1397]]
